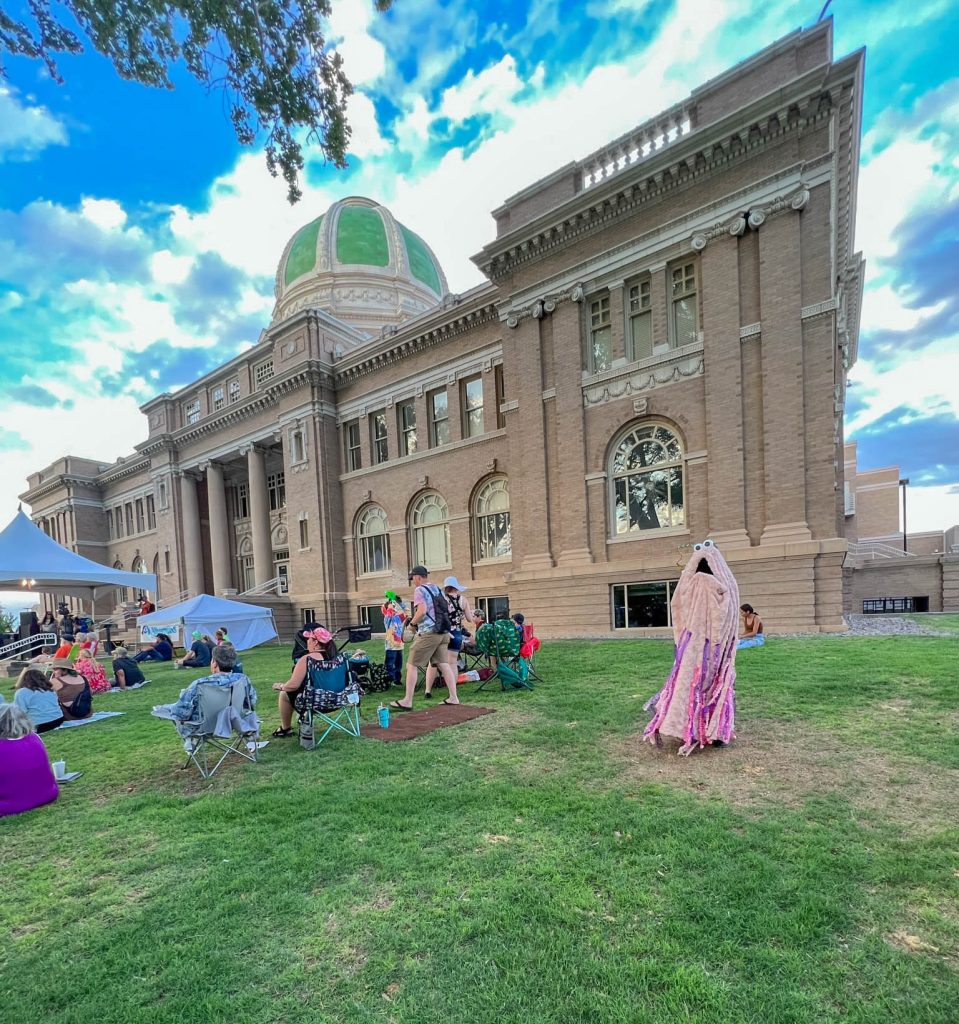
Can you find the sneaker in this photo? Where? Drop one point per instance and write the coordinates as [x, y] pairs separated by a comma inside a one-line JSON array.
[[427, 696]]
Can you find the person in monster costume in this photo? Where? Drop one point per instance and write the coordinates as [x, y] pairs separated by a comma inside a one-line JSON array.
[[698, 703]]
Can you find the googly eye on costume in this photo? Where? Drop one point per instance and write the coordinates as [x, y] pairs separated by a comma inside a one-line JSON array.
[[707, 543], [697, 547]]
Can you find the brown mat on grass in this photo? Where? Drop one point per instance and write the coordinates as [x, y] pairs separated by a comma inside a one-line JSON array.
[[407, 725]]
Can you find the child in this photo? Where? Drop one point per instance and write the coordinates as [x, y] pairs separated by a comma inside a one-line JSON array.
[[395, 614]]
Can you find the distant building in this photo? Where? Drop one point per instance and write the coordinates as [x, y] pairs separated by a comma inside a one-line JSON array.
[[658, 355]]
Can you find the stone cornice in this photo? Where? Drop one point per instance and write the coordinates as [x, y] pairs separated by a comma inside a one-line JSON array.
[[399, 347], [124, 469], [645, 376], [703, 152]]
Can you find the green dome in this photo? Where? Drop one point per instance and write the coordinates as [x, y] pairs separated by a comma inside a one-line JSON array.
[[359, 263]]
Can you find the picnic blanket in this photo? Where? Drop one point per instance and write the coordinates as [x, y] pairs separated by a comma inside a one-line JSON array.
[[407, 725], [95, 717]]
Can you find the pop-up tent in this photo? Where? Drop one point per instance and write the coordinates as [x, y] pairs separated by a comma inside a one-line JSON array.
[[246, 624], [30, 560]]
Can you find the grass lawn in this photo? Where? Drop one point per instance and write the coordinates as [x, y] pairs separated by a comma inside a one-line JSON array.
[[936, 621], [537, 864]]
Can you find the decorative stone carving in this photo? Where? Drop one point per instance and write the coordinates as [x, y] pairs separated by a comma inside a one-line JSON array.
[[737, 226], [491, 466], [367, 495], [757, 218], [512, 321], [749, 331], [800, 200], [641, 406], [537, 310], [424, 481], [645, 380], [549, 305], [577, 294], [698, 242]]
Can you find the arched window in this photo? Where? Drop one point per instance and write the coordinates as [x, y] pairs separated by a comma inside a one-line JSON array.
[[139, 565], [120, 593], [491, 522], [156, 572], [245, 556], [646, 481], [372, 541], [431, 532]]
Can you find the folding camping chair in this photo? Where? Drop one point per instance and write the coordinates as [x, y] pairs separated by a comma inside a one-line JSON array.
[[528, 649], [500, 640], [222, 725], [330, 698]]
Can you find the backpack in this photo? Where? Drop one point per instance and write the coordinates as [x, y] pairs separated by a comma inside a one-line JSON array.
[[82, 706], [442, 623]]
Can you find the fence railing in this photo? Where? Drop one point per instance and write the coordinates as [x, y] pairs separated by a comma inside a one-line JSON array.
[[877, 549], [43, 639], [175, 599], [277, 585]]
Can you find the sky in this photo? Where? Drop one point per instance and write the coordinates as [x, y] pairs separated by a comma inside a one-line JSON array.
[[138, 240]]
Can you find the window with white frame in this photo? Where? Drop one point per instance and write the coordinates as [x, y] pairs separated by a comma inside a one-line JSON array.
[[151, 513], [128, 510], [600, 335], [118, 520], [276, 487], [641, 605], [493, 607], [430, 530], [439, 418], [499, 393], [218, 399], [372, 541], [646, 481], [379, 445], [406, 418], [297, 445], [263, 372], [234, 391], [192, 411], [242, 501], [639, 310], [491, 521], [304, 534], [351, 439], [166, 560], [472, 405], [163, 494], [684, 306]]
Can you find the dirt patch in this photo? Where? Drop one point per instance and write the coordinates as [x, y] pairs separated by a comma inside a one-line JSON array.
[[766, 765]]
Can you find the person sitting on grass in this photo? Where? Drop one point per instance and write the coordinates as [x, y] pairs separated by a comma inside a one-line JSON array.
[[63, 651], [223, 665], [752, 635], [72, 690], [26, 778], [92, 671], [322, 654], [200, 655], [126, 672], [162, 650], [35, 696]]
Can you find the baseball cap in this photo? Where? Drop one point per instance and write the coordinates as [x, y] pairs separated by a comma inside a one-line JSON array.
[[419, 570]]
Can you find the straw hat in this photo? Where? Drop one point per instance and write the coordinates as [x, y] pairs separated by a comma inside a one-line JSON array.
[[64, 663]]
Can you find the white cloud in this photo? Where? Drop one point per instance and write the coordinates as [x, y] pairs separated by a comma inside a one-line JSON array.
[[486, 93], [364, 57], [884, 309], [932, 508], [168, 268], [365, 138], [26, 130], [106, 214]]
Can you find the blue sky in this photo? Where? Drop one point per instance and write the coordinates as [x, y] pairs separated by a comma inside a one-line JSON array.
[[138, 241]]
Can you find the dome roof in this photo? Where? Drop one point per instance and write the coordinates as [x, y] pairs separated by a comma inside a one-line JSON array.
[[358, 263]]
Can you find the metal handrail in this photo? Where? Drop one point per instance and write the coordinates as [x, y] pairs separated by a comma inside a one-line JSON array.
[[877, 549], [184, 595], [275, 585], [44, 639]]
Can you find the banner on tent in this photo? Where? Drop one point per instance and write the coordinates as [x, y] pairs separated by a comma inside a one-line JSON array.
[[173, 630]]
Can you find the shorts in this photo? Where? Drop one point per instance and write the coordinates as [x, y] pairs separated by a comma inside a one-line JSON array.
[[456, 640], [429, 648]]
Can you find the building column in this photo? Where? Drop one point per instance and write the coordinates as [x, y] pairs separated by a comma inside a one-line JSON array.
[[192, 544], [260, 515], [219, 528]]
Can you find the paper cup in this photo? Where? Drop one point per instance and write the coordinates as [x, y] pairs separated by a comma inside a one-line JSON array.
[[59, 769]]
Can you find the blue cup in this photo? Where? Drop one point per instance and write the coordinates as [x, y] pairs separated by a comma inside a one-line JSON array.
[[383, 714]]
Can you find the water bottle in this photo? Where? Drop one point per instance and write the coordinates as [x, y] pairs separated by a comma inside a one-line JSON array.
[[307, 739], [383, 714]]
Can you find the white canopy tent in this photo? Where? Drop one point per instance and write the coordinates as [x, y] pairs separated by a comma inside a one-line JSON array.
[[246, 624], [32, 561]]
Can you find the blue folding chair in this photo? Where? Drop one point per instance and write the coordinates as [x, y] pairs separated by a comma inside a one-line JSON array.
[[330, 701]]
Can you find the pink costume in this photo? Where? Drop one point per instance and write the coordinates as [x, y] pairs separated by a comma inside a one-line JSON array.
[[26, 778], [698, 703]]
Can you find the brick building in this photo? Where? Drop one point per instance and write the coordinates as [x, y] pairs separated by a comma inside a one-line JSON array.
[[658, 355]]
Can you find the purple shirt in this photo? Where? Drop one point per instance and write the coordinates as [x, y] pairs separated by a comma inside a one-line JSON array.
[[26, 777]]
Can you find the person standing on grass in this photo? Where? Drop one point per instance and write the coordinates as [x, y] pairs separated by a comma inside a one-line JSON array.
[[460, 614], [395, 614], [752, 631], [26, 778], [431, 641]]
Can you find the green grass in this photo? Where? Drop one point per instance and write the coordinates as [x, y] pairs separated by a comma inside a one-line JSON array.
[[525, 866], [938, 622]]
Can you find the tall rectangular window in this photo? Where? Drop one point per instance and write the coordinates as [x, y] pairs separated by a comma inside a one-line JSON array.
[[304, 534], [128, 509], [439, 418], [500, 392], [685, 309], [263, 373], [141, 522], [276, 485], [406, 417], [354, 454], [472, 405], [109, 524], [242, 501], [379, 446], [640, 337], [234, 388], [641, 605], [600, 335], [493, 607], [166, 559], [218, 399], [118, 519], [151, 513], [193, 411]]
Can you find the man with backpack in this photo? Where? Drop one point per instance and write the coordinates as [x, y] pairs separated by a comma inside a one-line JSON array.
[[431, 620]]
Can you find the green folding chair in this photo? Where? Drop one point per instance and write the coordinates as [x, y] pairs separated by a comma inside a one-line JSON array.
[[500, 642]]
